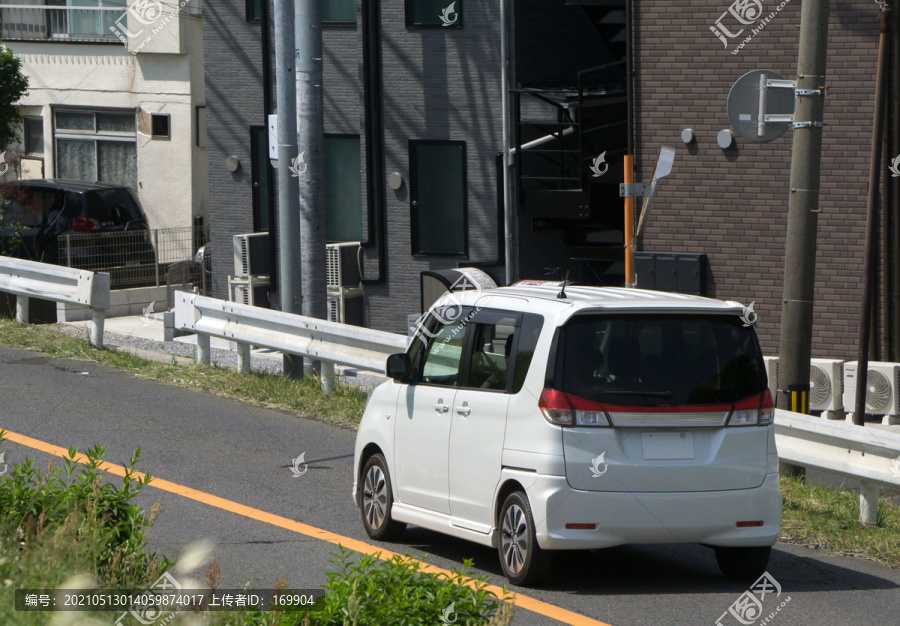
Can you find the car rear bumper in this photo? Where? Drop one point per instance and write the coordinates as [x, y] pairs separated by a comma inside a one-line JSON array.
[[622, 518]]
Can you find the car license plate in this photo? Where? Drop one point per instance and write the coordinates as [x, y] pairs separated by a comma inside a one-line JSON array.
[[660, 446]]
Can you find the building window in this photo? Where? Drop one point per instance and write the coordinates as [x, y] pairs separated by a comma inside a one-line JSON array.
[[339, 11], [254, 10], [434, 13], [34, 137], [438, 197], [96, 146], [343, 188], [159, 126]]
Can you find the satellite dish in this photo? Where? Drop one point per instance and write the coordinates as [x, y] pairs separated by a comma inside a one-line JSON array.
[[753, 96]]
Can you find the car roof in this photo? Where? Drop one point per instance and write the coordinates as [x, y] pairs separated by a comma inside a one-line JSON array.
[[67, 185], [542, 298]]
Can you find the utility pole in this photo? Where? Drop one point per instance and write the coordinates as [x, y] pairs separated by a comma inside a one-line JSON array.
[[288, 194], [311, 143], [802, 223], [865, 321]]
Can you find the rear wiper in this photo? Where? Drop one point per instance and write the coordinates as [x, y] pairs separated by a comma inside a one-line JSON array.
[[648, 394]]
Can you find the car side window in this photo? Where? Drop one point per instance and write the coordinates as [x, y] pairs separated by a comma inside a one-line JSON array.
[[443, 355], [529, 333], [491, 352]]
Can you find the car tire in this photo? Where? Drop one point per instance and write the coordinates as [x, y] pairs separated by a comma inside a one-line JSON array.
[[743, 564], [523, 561], [376, 501]]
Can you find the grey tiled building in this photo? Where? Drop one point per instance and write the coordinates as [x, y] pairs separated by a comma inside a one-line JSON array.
[[419, 81]]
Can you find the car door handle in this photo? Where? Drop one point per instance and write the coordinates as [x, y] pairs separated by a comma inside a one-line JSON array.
[[441, 408], [463, 410]]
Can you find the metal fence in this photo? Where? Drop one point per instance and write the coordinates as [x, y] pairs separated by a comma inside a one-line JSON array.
[[23, 21], [142, 258]]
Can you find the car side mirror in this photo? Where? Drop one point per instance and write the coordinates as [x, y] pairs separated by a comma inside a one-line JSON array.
[[398, 366]]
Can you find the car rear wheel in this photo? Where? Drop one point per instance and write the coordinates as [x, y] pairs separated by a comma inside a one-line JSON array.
[[523, 561], [376, 501], [743, 563]]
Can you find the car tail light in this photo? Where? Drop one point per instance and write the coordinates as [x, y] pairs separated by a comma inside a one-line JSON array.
[[564, 409], [146, 221], [581, 526], [85, 224], [748, 524], [757, 410]]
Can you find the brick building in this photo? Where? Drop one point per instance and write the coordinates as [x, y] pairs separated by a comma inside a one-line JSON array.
[[434, 78]]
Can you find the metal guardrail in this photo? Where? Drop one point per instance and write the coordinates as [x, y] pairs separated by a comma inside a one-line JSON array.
[[28, 279], [869, 455], [328, 342]]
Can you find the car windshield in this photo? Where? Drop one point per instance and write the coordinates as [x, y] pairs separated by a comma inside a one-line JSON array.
[[660, 359], [112, 207]]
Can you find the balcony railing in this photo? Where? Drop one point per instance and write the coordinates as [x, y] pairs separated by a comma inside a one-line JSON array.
[[104, 23]]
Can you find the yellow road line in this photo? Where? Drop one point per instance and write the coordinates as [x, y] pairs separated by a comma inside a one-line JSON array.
[[525, 602]]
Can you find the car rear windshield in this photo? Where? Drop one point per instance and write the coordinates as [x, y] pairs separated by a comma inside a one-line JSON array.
[[30, 206], [112, 207], [659, 359]]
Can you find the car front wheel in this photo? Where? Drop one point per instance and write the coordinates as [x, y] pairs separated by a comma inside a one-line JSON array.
[[743, 563], [523, 561], [377, 501]]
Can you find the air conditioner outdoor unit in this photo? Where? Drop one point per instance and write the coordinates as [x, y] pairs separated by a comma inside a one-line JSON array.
[[772, 374], [826, 383], [341, 265], [882, 384], [346, 309], [251, 255]]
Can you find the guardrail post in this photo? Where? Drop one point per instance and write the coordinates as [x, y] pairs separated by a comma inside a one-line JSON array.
[[98, 318], [327, 377], [22, 309], [868, 503], [243, 358], [202, 349]]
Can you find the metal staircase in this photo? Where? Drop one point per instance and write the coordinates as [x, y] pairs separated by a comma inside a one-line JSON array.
[[559, 132]]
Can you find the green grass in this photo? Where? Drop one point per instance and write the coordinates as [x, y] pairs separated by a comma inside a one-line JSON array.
[[344, 406], [826, 517]]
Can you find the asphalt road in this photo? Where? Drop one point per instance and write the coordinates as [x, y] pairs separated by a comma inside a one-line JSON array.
[[243, 454]]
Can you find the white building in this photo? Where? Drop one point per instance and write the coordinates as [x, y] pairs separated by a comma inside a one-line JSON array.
[[116, 94]]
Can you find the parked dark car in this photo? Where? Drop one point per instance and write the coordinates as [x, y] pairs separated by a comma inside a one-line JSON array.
[[93, 226]]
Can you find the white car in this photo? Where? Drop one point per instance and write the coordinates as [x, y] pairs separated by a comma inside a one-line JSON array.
[[532, 419]]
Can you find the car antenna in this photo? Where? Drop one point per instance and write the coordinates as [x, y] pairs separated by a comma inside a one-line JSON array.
[[562, 292]]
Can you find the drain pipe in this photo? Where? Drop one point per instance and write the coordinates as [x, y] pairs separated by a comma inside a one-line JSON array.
[[507, 162]]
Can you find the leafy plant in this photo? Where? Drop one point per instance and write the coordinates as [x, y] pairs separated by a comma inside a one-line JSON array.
[[111, 530], [13, 87]]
